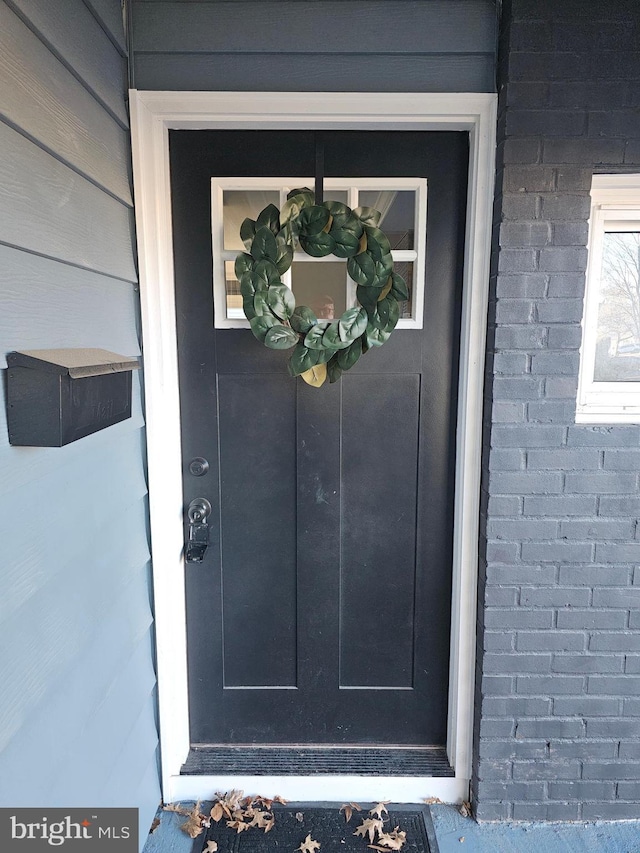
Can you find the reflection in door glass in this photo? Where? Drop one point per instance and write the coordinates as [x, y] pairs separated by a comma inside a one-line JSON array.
[[232, 290], [398, 214], [618, 331], [321, 286], [237, 205], [405, 269]]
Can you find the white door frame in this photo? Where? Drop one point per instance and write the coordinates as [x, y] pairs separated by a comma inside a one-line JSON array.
[[152, 115]]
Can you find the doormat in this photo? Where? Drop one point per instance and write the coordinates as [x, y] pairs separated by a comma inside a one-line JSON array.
[[310, 828]]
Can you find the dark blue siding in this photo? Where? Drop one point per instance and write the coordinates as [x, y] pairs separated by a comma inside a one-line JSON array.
[[315, 45]]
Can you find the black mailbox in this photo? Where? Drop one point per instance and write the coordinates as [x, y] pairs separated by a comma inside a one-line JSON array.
[[57, 396]]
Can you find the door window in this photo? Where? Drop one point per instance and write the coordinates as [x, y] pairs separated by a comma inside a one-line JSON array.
[[320, 283]]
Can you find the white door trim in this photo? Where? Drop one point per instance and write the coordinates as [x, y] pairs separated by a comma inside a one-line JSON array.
[[152, 115]]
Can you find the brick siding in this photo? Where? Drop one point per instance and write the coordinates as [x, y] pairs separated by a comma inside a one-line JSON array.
[[558, 676]]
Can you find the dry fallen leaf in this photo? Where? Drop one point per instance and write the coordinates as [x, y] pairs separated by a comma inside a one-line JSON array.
[[238, 825], [281, 800], [308, 845], [393, 840], [380, 809], [193, 826], [217, 812], [369, 826], [260, 819], [177, 808], [349, 809], [211, 847], [433, 801], [154, 825], [461, 839], [299, 817], [465, 809]]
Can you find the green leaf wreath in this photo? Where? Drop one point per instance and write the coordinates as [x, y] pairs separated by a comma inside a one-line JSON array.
[[322, 347]]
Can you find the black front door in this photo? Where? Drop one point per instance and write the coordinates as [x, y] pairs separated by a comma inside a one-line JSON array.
[[321, 612]]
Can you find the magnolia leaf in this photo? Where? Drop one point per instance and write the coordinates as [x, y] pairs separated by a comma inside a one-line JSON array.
[[362, 245], [368, 215], [324, 355], [376, 337], [264, 245], [377, 243], [334, 370], [269, 218], [248, 232], [211, 847], [350, 222], [308, 845], [261, 324], [316, 375], [285, 255], [244, 263], [303, 319], [331, 338], [352, 324], [368, 297], [369, 826], [362, 269], [318, 245], [313, 339], [281, 301], [383, 270], [261, 305], [247, 307], [348, 357], [267, 271], [304, 192], [336, 209], [312, 220], [380, 809], [399, 288], [345, 243], [280, 337], [290, 210], [251, 282], [386, 290], [302, 359], [387, 314]]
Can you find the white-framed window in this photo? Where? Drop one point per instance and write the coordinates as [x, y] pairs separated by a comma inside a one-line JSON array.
[[320, 283], [609, 385]]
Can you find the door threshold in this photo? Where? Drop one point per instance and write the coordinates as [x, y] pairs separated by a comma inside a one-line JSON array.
[[303, 760]]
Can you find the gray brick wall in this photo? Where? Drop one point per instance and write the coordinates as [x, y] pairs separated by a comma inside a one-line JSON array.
[[558, 677]]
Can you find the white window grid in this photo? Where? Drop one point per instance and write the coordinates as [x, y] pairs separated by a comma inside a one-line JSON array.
[[234, 318], [615, 207]]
